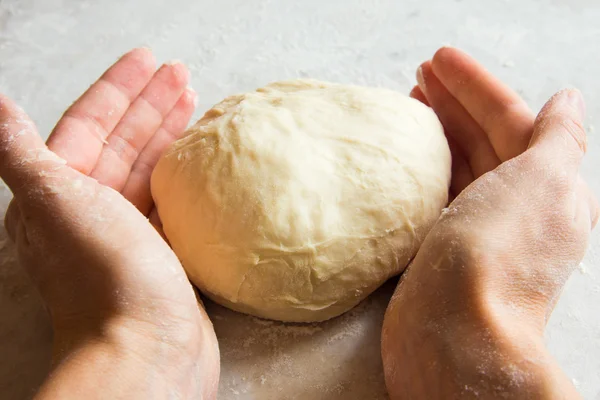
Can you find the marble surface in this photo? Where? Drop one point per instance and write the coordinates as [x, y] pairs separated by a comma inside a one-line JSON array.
[[51, 50]]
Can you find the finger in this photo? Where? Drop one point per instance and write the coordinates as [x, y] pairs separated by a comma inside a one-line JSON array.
[[137, 188], [461, 172], [154, 218], [417, 94], [497, 109], [558, 133], [156, 223], [11, 220], [81, 132], [141, 121], [24, 158], [458, 124]]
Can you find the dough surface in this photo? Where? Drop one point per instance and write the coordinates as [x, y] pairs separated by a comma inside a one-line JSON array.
[[296, 201]]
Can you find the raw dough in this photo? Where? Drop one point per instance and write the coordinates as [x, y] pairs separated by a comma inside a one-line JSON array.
[[297, 201]]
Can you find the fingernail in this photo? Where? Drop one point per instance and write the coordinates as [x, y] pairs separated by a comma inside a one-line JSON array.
[[576, 101], [420, 79], [179, 67], [194, 95]]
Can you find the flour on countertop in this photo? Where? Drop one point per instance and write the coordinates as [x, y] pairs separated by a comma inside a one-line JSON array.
[[337, 357]]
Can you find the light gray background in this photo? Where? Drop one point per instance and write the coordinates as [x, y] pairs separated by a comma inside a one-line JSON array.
[[51, 50]]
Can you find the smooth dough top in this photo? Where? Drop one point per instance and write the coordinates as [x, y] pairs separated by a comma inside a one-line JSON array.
[[296, 201]]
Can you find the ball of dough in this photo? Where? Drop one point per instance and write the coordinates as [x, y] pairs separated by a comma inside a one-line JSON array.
[[297, 201]]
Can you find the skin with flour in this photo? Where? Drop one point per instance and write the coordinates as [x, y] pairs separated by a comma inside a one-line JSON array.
[[126, 319], [467, 319]]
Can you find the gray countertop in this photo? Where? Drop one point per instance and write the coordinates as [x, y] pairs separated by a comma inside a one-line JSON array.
[[51, 50]]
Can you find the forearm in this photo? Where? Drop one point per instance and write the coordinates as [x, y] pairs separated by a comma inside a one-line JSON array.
[[441, 341]]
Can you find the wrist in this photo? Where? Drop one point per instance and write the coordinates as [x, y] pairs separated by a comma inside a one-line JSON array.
[[126, 353], [121, 334], [446, 334], [97, 368], [468, 275]]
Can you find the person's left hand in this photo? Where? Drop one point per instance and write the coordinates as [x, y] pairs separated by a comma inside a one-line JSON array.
[[104, 273], [468, 316]]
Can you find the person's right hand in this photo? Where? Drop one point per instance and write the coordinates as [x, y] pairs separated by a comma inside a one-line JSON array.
[[125, 317], [468, 317]]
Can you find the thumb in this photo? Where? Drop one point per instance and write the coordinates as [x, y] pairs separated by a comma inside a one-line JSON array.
[[24, 158], [558, 131]]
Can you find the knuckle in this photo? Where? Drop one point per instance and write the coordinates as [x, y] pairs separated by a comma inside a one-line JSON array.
[[541, 168], [532, 160], [574, 128], [124, 148]]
